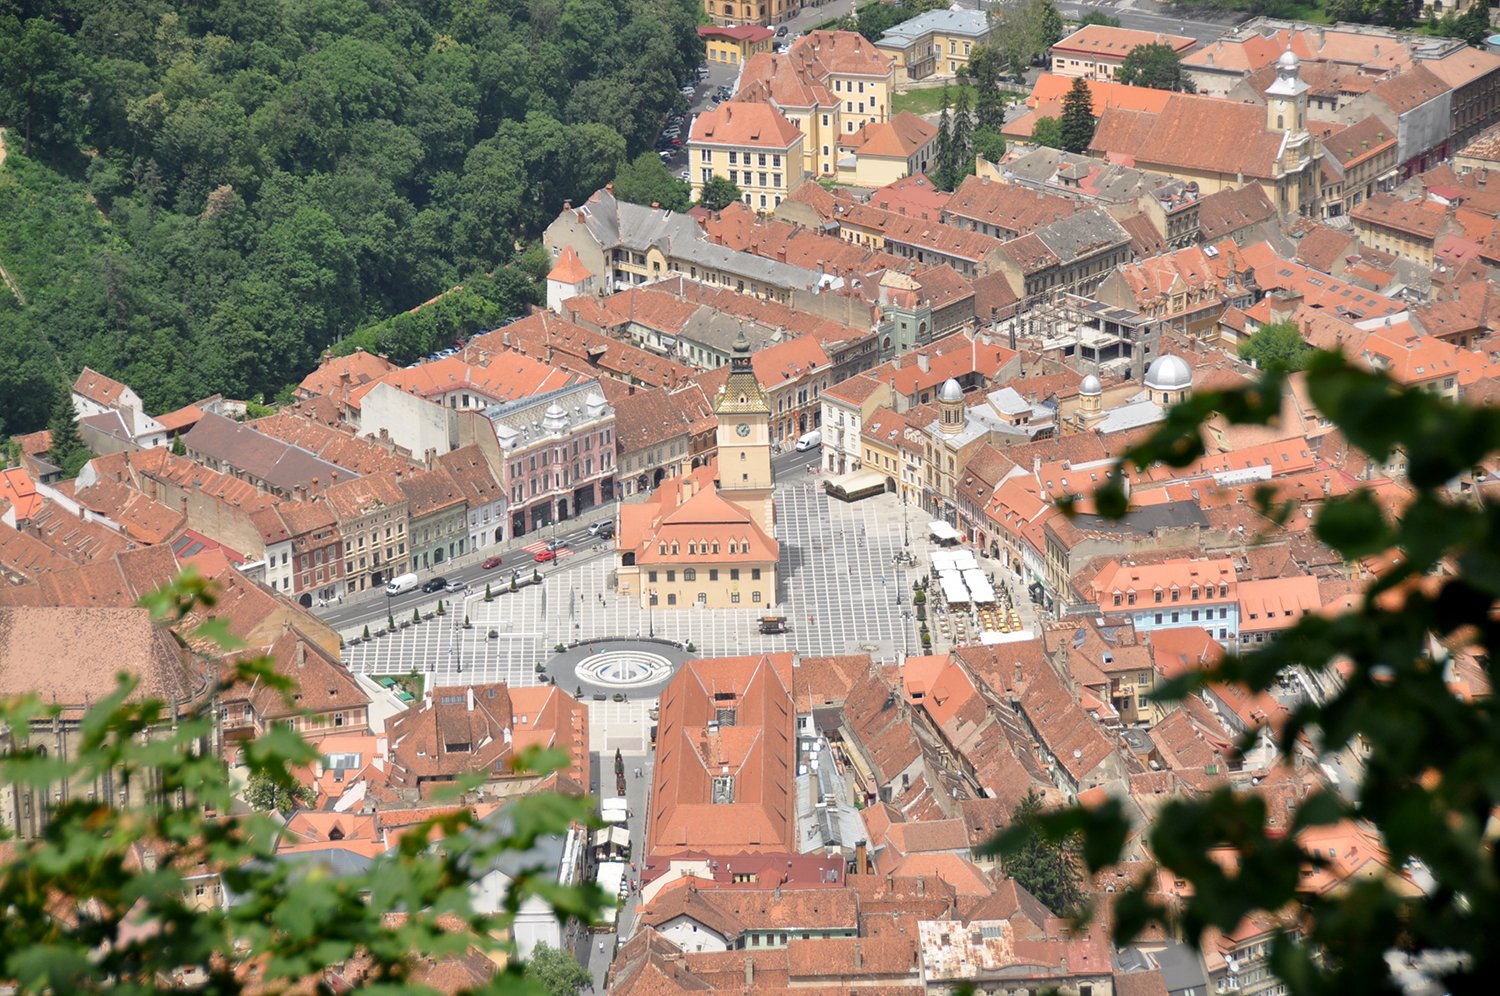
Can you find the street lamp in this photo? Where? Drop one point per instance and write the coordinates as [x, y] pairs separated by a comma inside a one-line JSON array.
[[650, 613]]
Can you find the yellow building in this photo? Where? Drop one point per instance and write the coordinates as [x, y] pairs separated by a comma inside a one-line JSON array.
[[829, 85], [734, 45], [751, 12], [708, 538], [879, 154], [935, 44], [754, 146]]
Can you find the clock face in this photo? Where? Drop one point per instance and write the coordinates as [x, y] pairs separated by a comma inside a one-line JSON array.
[[743, 428]]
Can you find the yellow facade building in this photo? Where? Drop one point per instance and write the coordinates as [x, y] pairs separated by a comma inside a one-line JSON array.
[[733, 45], [754, 146], [936, 44], [751, 11], [708, 538], [830, 84]]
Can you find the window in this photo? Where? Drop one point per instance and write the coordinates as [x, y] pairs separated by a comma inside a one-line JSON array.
[[672, 576], [690, 575], [734, 572], [671, 598], [734, 598], [713, 574], [755, 574], [755, 596], [761, 159]]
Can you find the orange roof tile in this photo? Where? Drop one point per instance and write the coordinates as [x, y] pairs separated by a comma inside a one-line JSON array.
[[740, 124], [569, 269]]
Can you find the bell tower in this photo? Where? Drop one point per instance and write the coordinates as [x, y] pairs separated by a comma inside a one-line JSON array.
[[1286, 113], [744, 436]]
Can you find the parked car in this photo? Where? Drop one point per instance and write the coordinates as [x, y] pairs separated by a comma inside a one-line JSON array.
[[542, 556], [781, 31], [490, 563], [456, 586], [436, 584], [684, 175], [604, 529]]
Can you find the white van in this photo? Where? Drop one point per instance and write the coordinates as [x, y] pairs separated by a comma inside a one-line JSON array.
[[809, 440], [401, 584]]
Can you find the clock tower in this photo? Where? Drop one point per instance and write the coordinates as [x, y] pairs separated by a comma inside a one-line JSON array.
[[744, 436]]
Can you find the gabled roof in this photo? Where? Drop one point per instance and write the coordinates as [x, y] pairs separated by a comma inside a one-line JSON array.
[[569, 269], [725, 785], [1102, 40], [744, 124], [98, 388], [899, 138], [1193, 132], [1008, 206]]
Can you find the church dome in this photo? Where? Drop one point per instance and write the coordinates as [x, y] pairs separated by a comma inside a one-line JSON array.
[[1091, 385], [1288, 63], [1169, 373], [950, 391]]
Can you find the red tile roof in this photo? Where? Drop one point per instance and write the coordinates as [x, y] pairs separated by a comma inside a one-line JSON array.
[[741, 124], [749, 763]]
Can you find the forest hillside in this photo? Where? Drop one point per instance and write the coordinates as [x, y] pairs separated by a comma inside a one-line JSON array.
[[201, 197]]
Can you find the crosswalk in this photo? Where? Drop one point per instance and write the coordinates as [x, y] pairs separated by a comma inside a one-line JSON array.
[[540, 545]]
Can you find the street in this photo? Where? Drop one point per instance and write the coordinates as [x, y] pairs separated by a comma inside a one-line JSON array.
[[372, 607]]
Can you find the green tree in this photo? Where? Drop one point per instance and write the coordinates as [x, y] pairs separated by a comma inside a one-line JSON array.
[[718, 193], [40, 86], [1156, 66], [1421, 780], [556, 971], [985, 68], [1077, 125], [265, 792], [77, 898], [961, 141], [1049, 869], [67, 450], [1277, 347], [1047, 132], [1100, 18], [989, 143], [646, 180], [943, 155]]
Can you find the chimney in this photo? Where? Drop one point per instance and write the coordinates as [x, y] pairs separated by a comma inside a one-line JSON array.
[[301, 655], [469, 698], [921, 886], [922, 362]]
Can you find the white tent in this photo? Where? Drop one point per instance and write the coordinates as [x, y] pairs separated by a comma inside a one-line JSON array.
[[942, 560], [963, 560], [942, 532], [979, 586], [954, 591]]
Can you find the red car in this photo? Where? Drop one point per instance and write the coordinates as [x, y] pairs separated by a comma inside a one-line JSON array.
[[491, 563], [542, 556]]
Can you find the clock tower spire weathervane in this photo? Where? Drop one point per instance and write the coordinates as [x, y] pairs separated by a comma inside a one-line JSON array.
[[744, 437]]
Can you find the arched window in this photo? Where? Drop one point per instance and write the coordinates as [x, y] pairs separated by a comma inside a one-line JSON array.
[[689, 575]]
